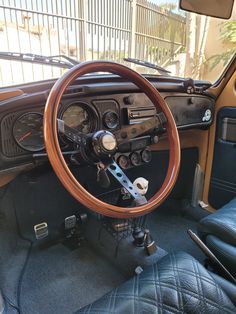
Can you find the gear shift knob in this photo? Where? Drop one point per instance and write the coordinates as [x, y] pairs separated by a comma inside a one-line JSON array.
[[141, 185]]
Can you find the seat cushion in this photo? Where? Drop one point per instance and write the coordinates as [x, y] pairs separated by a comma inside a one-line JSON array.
[[228, 287], [177, 284], [221, 224]]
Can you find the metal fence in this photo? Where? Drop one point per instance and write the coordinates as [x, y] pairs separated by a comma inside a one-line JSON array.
[[88, 30]]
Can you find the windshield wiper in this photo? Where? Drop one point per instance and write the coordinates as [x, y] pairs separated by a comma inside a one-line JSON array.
[[63, 61], [147, 64], [33, 58]]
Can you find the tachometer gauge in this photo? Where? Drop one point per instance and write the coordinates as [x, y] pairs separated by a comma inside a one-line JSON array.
[[79, 117], [28, 131]]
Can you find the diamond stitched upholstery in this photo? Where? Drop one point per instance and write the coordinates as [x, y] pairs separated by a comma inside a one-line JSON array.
[[218, 231], [221, 224], [177, 284]]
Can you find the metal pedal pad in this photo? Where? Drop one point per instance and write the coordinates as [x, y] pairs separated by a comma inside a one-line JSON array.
[[70, 222], [41, 230]]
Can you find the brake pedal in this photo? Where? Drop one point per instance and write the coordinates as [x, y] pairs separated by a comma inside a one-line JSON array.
[[41, 230], [73, 233], [70, 222]]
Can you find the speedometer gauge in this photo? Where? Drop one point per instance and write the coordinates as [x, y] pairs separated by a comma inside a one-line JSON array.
[[28, 131], [79, 117]]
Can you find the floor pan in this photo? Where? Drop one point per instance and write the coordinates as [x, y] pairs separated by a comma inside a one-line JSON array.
[[169, 229], [61, 280]]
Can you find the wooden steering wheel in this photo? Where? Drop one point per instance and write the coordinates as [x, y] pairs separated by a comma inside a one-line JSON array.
[[102, 145]]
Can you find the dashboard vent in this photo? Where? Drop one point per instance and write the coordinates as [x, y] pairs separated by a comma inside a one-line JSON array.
[[9, 146]]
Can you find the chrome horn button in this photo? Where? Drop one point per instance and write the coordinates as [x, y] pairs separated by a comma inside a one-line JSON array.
[[104, 143], [108, 141]]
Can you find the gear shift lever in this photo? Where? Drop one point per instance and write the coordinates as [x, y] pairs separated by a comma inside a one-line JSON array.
[[141, 185], [143, 238]]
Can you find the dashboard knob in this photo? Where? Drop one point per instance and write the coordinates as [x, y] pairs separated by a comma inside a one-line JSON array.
[[191, 101], [155, 139], [129, 100]]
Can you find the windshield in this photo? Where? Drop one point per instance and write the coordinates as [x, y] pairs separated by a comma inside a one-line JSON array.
[[157, 31]]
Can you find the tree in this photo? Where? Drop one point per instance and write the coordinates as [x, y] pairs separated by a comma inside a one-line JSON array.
[[228, 36]]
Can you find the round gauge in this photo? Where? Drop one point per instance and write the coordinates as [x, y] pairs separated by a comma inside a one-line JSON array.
[[146, 155], [79, 117], [124, 161], [28, 131], [135, 159], [111, 120]]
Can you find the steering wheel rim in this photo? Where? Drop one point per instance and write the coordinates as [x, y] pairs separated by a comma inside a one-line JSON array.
[[59, 164]]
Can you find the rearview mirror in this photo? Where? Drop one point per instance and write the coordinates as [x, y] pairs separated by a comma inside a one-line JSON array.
[[215, 8]]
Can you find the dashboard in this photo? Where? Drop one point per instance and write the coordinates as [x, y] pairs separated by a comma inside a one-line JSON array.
[[93, 104]]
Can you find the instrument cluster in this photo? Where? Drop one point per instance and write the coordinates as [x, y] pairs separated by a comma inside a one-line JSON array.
[[28, 128]]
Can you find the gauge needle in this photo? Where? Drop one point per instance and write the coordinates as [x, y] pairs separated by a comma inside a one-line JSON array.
[[24, 136]]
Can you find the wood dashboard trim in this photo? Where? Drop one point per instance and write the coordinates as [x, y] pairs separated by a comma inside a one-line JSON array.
[[10, 93]]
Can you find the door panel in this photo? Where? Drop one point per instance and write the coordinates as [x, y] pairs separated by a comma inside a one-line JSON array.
[[223, 175], [225, 94]]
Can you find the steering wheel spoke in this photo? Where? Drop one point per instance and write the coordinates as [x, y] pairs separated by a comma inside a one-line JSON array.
[[71, 133], [122, 178]]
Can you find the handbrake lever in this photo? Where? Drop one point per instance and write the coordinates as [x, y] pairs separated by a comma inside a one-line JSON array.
[[210, 255]]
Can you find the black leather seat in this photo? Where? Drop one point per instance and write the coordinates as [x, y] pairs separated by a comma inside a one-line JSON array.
[[176, 284], [218, 231]]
